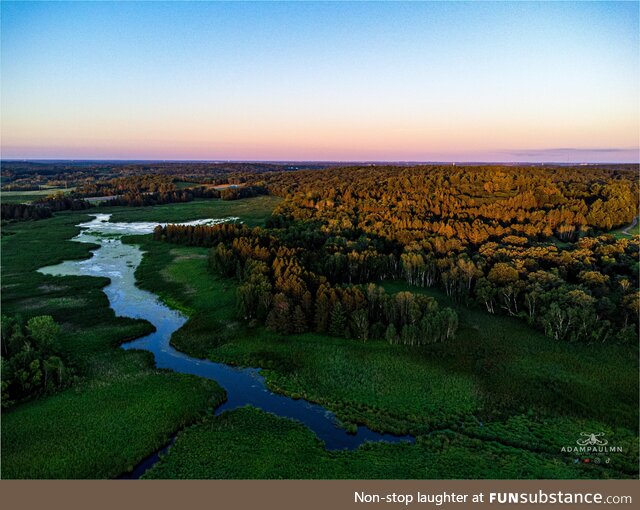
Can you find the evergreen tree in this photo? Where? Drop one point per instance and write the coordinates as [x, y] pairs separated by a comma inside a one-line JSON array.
[[279, 318], [323, 313], [338, 324], [298, 320]]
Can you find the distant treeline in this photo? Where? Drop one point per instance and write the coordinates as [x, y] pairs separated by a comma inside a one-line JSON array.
[[30, 175], [122, 185], [42, 208], [135, 199]]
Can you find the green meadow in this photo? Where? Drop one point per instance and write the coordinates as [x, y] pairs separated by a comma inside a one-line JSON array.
[[251, 211], [19, 197], [628, 230]]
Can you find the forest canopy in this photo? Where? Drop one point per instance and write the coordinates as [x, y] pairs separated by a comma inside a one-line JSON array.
[[528, 242]]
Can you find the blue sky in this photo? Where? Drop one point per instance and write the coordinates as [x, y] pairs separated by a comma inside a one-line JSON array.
[[321, 81]]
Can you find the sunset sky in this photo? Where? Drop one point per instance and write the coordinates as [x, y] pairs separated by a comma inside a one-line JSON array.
[[321, 81]]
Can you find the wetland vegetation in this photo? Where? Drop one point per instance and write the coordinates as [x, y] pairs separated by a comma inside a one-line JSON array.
[[485, 311]]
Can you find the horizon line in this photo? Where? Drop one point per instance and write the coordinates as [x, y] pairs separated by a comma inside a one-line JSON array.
[[320, 161]]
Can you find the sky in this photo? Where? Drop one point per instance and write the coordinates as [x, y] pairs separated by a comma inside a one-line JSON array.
[[313, 81]]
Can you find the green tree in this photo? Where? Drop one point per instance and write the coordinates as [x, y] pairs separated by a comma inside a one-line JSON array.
[[279, 318], [323, 312], [298, 320], [43, 330], [450, 322], [338, 322], [360, 324], [54, 370]]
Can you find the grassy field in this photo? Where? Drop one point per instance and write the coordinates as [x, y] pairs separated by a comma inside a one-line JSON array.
[[627, 231], [252, 211], [104, 427], [18, 197], [499, 380], [597, 380]]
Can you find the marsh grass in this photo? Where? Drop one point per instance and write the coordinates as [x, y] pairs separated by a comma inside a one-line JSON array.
[[249, 443], [252, 211], [103, 427]]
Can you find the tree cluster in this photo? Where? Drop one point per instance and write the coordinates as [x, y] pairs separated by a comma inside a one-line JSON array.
[[276, 289], [138, 199], [23, 212], [146, 183], [40, 209], [61, 202], [31, 361]]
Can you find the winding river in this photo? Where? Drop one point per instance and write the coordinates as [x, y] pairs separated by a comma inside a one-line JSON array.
[[244, 386]]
